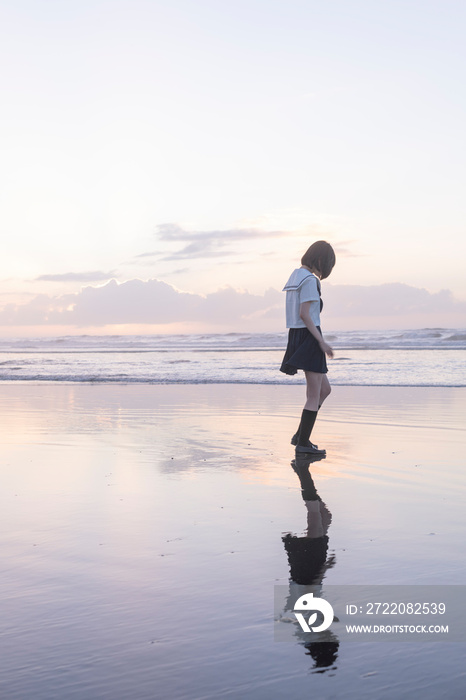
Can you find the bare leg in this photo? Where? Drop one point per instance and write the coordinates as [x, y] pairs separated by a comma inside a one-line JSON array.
[[325, 389], [313, 390]]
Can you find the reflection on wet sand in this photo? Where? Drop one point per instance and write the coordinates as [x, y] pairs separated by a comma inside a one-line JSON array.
[[308, 561]]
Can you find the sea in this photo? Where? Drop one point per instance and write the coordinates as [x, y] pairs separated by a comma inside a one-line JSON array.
[[421, 357]]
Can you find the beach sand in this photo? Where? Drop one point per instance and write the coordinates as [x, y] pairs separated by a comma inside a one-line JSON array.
[[142, 537]]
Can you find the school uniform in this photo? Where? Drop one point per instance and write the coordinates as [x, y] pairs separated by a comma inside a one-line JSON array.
[[303, 351]]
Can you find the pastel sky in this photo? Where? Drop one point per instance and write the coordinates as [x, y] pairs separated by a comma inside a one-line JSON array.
[[165, 164]]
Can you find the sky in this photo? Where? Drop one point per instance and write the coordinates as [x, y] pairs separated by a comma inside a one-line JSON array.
[[166, 164]]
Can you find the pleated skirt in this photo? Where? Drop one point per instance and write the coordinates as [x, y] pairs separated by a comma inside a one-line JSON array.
[[303, 352]]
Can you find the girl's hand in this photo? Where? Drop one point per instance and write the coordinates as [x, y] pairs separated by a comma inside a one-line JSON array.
[[326, 348]]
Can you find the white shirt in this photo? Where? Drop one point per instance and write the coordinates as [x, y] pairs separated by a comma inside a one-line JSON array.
[[302, 286]]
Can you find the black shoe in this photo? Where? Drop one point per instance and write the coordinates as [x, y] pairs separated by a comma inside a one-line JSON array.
[[309, 450], [294, 441]]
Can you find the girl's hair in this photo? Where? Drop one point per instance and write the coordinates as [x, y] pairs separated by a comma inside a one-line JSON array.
[[321, 257]]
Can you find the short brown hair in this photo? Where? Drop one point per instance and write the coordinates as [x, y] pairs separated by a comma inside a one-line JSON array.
[[321, 257]]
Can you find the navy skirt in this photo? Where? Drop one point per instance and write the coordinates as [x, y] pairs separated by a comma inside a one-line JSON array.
[[303, 352]]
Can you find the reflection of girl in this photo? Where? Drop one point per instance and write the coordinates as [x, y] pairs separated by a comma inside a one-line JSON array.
[[307, 558], [306, 347]]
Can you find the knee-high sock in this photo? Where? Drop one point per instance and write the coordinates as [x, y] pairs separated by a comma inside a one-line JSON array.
[[308, 418], [299, 426]]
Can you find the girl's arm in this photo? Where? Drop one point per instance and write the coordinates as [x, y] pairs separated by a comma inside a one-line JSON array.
[[305, 316]]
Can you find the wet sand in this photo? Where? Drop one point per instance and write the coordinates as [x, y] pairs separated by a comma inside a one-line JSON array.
[[142, 537]]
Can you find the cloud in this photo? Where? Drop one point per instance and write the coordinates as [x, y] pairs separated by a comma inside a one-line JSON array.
[[94, 276], [389, 300], [205, 244], [214, 243], [155, 302], [173, 232], [137, 302], [199, 249]]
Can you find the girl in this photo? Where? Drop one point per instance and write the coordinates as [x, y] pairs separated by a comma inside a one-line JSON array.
[[306, 347]]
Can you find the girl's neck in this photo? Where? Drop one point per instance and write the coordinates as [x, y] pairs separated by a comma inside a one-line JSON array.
[[312, 269]]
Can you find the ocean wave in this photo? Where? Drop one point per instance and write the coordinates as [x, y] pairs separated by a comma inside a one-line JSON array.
[[461, 337], [78, 379], [376, 358], [444, 338]]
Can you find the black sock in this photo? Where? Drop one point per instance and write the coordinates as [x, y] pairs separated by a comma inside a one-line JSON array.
[[299, 426], [308, 489], [308, 418]]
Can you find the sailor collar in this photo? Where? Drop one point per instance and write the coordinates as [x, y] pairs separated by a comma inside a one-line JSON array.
[[297, 279]]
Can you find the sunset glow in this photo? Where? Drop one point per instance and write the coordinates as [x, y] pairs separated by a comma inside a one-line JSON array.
[[191, 152]]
